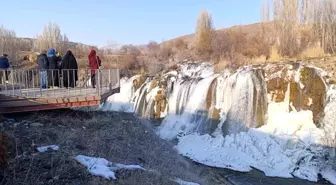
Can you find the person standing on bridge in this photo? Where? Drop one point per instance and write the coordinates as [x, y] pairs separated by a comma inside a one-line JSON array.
[[4, 65], [43, 64], [53, 72], [70, 72], [95, 63]]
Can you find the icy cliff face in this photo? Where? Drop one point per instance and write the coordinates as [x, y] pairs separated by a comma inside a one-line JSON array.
[[278, 118]]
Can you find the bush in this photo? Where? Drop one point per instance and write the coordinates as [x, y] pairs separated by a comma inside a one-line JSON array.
[[154, 68]]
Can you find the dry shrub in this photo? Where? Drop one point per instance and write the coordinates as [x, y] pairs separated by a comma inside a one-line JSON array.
[[165, 52], [171, 67], [259, 60], [129, 62], [153, 49], [180, 44], [274, 54], [313, 52], [220, 66], [154, 68]]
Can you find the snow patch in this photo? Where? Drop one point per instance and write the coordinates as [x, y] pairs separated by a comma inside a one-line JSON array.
[[289, 145], [182, 182], [329, 174], [102, 167], [47, 148]]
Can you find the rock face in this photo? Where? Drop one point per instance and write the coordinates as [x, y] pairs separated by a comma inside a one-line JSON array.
[[307, 88], [213, 112], [277, 88], [139, 81], [310, 94], [160, 103]]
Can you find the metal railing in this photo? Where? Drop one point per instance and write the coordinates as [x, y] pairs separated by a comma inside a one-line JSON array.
[[35, 83]]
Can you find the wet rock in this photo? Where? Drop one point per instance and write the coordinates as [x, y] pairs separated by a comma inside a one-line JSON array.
[[211, 95], [312, 95], [214, 117], [307, 92], [277, 88], [153, 84], [160, 103], [139, 81]]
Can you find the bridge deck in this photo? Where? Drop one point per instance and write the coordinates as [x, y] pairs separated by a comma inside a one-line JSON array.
[[16, 97]]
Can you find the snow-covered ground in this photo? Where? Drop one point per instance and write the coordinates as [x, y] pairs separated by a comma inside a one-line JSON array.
[[290, 145], [104, 168], [182, 182]]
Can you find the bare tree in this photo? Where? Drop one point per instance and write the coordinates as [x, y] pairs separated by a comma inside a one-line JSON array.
[[286, 24], [8, 43], [265, 11], [204, 33], [52, 37]]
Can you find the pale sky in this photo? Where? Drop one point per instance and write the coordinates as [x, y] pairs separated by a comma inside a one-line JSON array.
[[123, 21]]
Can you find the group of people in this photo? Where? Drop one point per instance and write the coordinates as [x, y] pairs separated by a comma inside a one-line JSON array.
[[52, 66]]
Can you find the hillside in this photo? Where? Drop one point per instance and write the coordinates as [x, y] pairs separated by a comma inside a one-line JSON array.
[[249, 30]]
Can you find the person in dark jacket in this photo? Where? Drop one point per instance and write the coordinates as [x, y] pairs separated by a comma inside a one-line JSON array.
[[95, 63], [53, 72], [4, 65], [43, 64], [69, 69]]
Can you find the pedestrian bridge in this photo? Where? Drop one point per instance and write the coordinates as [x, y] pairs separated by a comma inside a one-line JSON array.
[[23, 92]]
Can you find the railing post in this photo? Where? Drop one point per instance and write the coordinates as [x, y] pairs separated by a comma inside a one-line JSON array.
[[33, 78], [39, 76], [110, 87], [74, 79], [118, 72], [12, 74], [4, 81], [68, 82], [53, 81], [27, 83], [98, 81]]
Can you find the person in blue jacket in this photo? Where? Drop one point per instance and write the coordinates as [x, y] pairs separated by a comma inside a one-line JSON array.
[[4, 65]]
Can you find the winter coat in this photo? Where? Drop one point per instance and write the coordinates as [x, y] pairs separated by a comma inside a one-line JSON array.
[[53, 72], [4, 64], [69, 76], [42, 61], [94, 61]]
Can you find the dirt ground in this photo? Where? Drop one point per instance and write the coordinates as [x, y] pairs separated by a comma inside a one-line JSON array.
[[117, 137]]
